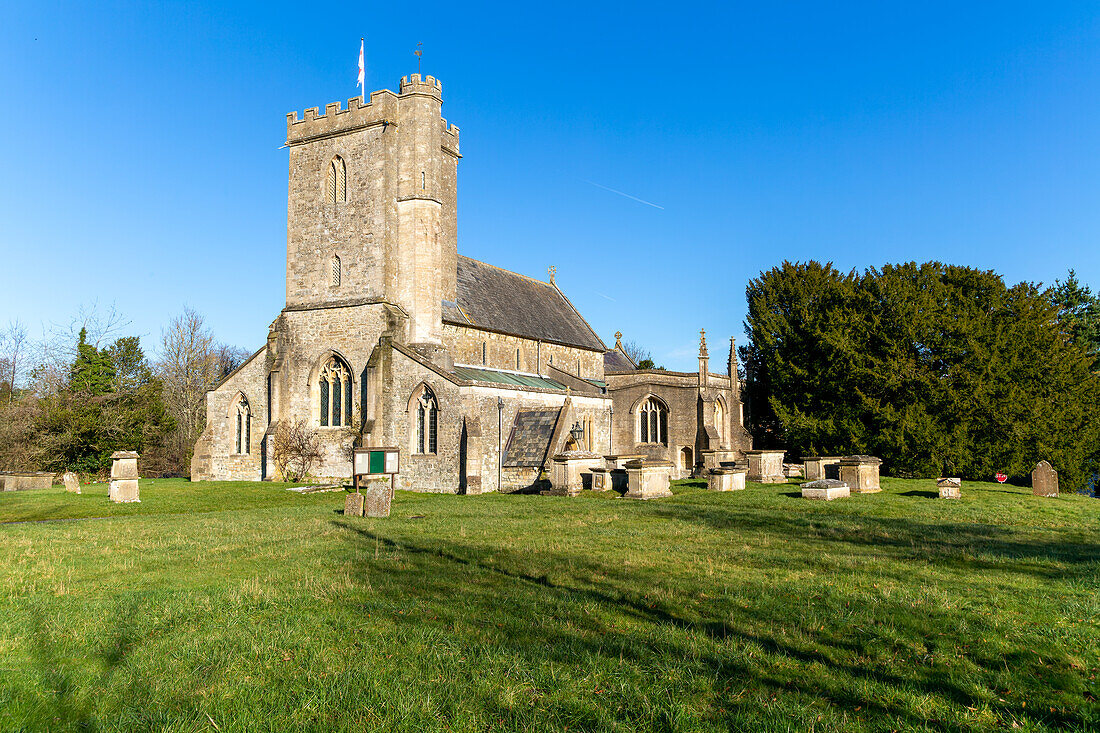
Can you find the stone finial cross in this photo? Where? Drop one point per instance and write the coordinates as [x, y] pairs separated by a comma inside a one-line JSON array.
[[702, 342], [618, 339], [553, 271]]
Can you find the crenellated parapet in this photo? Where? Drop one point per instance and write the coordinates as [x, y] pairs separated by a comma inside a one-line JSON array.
[[413, 84], [384, 108]]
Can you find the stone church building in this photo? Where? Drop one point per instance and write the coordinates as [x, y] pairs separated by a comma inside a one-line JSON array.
[[390, 338]]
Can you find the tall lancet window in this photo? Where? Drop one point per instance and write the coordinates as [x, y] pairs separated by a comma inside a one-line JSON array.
[[427, 422], [653, 422], [243, 416], [335, 267], [719, 418], [336, 182], [334, 382]]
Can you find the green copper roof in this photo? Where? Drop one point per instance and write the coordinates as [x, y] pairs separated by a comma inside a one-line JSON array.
[[491, 375]]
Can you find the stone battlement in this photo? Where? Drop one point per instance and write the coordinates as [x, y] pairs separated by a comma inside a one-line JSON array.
[[429, 85], [382, 109]]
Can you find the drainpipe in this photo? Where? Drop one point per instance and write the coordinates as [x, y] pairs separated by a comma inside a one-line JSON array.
[[500, 442]]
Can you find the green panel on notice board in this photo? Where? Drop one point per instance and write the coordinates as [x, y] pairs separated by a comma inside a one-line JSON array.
[[378, 461]]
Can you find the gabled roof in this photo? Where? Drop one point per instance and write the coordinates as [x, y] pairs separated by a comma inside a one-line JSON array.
[[499, 300], [616, 361]]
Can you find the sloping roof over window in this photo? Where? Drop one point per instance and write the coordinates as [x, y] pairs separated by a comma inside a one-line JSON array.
[[475, 374], [502, 301], [530, 438], [616, 361]]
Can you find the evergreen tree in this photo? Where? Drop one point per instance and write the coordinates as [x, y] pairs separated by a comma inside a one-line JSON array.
[[939, 370]]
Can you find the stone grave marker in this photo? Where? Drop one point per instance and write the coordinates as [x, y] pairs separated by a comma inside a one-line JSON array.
[[825, 489], [949, 488], [353, 505], [72, 482], [124, 477], [1044, 480]]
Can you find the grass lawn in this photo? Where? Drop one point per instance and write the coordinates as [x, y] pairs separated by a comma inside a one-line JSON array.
[[228, 606]]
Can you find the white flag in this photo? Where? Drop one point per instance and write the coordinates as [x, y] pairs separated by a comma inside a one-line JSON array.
[[362, 89]]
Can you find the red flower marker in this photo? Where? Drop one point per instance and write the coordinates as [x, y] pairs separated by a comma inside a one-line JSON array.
[[1001, 478]]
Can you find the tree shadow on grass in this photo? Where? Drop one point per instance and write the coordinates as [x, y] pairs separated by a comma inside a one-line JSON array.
[[540, 618], [924, 494], [72, 710], [951, 544]]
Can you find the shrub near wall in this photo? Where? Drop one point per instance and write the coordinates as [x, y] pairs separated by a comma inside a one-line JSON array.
[[937, 369]]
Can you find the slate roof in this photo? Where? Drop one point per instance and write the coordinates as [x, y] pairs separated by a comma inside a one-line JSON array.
[[503, 301], [477, 374], [616, 361], [530, 437]]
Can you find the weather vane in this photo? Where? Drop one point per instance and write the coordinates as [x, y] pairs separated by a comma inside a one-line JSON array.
[[419, 57]]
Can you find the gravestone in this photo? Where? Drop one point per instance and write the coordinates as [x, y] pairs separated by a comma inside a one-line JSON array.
[[949, 488], [860, 473], [353, 505], [72, 482], [648, 479], [1044, 480], [825, 489], [766, 466], [816, 467], [124, 477], [726, 479], [567, 469], [377, 496]]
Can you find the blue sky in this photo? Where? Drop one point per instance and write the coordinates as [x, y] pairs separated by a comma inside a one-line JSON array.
[[139, 146]]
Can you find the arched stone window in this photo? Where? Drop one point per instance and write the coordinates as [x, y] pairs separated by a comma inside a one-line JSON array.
[[243, 434], [653, 422], [334, 382], [335, 267], [336, 182], [425, 426]]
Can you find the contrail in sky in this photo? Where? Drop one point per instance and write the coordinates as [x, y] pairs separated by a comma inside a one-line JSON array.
[[635, 198]]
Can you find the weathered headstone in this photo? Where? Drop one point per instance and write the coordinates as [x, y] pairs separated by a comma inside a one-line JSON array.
[[826, 489], [72, 482], [1044, 480], [949, 488], [726, 479], [124, 477], [376, 499], [353, 505]]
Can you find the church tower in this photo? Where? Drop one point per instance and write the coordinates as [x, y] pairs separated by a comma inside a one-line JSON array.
[[371, 206]]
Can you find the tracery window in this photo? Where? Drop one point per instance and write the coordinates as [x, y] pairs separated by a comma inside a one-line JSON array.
[[244, 427], [653, 422], [427, 422], [336, 182], [719, 418], [335, 393]]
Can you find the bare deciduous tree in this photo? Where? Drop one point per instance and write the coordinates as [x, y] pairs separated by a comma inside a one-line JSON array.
[[636, 352], [13, 348], [188, 367], [295, 449]]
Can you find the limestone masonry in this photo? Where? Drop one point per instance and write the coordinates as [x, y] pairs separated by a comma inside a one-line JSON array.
[[389, 337]]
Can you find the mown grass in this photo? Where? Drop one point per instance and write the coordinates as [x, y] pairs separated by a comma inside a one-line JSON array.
[[753, 610]]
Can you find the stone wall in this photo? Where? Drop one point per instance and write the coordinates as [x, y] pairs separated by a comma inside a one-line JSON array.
[[467, 345], [215, 456], [690, 415]]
